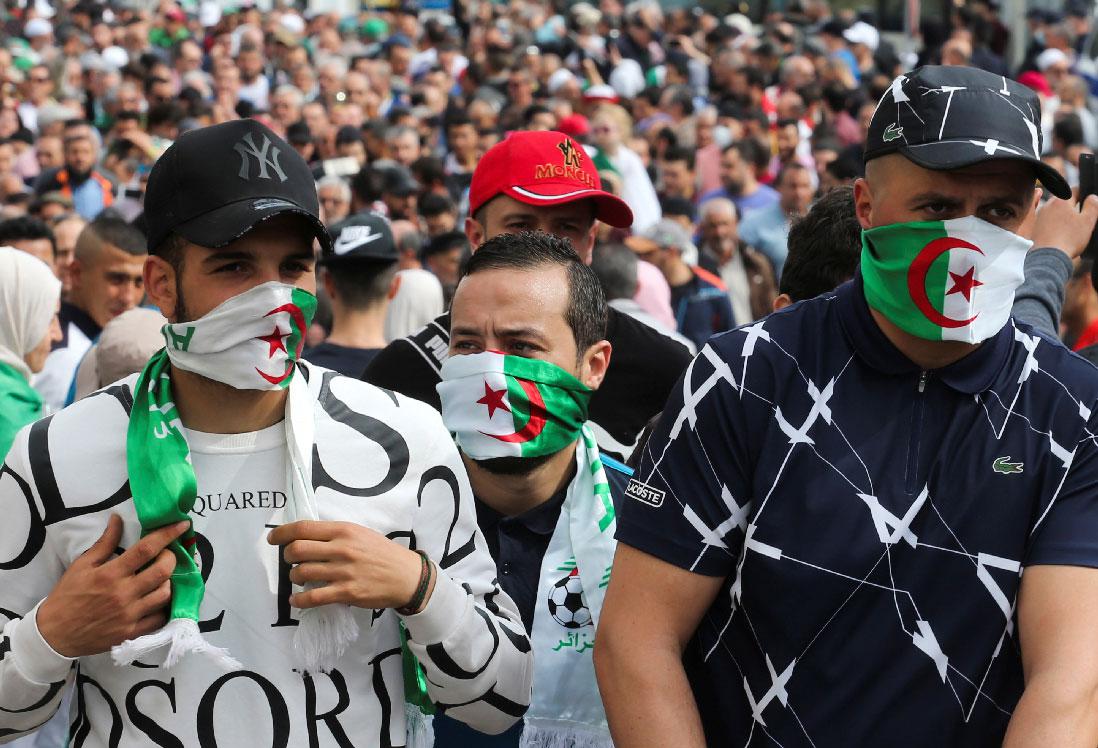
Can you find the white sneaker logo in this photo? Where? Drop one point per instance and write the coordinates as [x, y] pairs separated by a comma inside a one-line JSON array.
[[354, 237]]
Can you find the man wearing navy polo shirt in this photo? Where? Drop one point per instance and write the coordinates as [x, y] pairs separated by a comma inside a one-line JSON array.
[[872, 518]]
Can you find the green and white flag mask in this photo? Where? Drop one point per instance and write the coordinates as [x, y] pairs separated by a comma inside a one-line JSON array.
[[162, 478], [509, 406], [250, 341], [944, 280]]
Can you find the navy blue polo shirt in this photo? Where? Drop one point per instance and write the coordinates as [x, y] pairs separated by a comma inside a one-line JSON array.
[[871, 522], [518, 545]]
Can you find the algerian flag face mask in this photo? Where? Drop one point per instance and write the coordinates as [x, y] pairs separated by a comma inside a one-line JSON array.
[[250, 341], [943, 280], [509, 406]]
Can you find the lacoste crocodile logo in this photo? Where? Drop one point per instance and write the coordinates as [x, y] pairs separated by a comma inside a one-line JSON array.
[[1005, 466], [892, 132]]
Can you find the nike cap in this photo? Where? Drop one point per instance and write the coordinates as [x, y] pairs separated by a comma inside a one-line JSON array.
[[544, 168], [363, 236], [946, 117], [217, 183]]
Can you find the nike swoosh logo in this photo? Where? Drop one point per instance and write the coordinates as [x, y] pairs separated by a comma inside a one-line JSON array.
[[343, 246]]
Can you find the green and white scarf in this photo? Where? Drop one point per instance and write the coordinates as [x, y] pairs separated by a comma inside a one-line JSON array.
[[224, 345], [566, 710]]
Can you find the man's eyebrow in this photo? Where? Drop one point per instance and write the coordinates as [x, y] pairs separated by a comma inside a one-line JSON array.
[[223, 255], [937, 197], [510, 332]]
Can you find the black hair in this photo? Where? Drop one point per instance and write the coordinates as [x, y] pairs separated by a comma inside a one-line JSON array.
[[1069, 130], [445, 242], [533, 111], [680, 153], [586, 312], [434, 204], [824, 246], [366, 184], [752, 152], [678, 206], [26, 227], [457, 118], [361, 283], [615, 265], [111, 228]]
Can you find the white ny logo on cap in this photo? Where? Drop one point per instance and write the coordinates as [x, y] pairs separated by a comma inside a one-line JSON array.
[[246, 147]]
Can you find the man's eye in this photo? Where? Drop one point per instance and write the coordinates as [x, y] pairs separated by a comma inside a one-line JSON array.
[[232, 267], [935, 208], [296, 267]]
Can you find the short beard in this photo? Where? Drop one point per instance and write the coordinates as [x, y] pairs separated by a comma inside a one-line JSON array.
[[513, 465], [179, 313]]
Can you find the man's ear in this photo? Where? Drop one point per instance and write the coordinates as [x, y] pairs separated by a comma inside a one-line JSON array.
[[782, 301], [474, 232], [587, 251], [329, 285], [161, 285], [76, 272], [596, 360], [863, 203]]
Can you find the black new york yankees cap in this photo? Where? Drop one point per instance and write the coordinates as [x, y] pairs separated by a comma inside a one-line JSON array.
[[946, 117], [216, 183]]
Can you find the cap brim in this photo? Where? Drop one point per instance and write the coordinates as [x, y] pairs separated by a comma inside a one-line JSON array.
[[609, 209], [956, 154], [228, 223]]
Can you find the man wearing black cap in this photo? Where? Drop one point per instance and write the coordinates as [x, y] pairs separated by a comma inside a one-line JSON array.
[[870, 519], [359, 279], [399, 192], [319, 534]]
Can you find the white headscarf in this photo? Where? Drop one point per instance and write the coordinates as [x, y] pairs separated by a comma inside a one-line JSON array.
[[418, 300], [29, 292]]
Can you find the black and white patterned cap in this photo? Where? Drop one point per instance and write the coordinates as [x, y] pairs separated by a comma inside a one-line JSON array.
[[946, 117]]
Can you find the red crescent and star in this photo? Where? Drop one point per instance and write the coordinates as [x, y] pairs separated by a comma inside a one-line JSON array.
[[539, 416], [494, 400], [276, 344], [962, 283]]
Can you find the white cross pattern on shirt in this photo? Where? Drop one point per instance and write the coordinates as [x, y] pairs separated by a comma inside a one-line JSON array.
[[691, 398], [754, 334], [1030, 343], [819, 409], [884, 520], [984, 560], [777, 690], [711, 536], [925, 640]]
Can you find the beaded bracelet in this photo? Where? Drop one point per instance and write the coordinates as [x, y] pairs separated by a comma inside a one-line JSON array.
[[416, 602]]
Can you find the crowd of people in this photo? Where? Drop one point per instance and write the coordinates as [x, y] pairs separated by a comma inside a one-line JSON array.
[[459, 335]]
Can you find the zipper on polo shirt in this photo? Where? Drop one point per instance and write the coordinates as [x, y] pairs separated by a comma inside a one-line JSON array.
[[911, 482]]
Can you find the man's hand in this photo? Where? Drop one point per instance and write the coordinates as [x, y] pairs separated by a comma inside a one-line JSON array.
[[356, 565], [1060, 224], [102, 601]]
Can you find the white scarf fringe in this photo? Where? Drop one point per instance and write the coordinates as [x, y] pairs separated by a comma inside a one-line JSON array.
[[181, 636], [418, 727], [323, 635], [546, 733]]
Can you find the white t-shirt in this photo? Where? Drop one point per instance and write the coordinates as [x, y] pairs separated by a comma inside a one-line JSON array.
[[381, 460]]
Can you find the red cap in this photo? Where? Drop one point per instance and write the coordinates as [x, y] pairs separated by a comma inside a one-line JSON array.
[[574, 125], [544, 168]]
